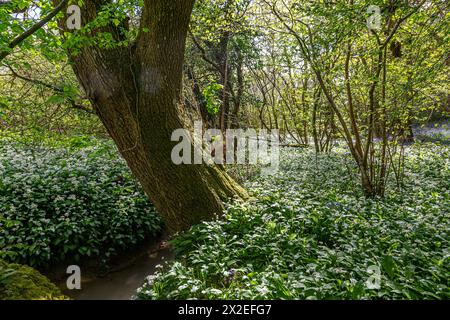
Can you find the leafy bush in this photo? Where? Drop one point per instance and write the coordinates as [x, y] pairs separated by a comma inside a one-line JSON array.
[[57, 204], [312, 235]]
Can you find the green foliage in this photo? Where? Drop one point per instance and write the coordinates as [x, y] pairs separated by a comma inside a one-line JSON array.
[[114, 27], [25, 283], [45, 40], [311, 234], [211, 94], [47, 104], [58, 204], [211, 18]]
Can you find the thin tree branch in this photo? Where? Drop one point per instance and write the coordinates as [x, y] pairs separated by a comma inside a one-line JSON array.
[[20, 38], [57, 89]]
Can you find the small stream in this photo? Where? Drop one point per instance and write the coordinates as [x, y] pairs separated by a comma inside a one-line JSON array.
[[123, 283]]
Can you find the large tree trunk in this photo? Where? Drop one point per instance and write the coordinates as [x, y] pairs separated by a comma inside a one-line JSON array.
[[136, 92]]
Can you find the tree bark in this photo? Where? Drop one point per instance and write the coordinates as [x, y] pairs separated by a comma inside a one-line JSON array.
[[136, 92], [201, 102], [240, 90], [222, 57]]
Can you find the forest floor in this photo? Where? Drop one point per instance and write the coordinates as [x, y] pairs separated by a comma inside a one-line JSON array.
[[308, 232], [311, 234]]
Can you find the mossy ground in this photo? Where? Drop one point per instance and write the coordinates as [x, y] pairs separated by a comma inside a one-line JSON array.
[[24, 283]]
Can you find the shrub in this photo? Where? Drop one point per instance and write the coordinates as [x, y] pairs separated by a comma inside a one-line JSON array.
[[57, 204]]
